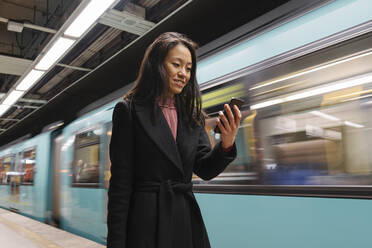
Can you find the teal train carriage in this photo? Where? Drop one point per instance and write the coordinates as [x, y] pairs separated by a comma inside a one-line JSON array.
[[306, 131], [26, 177], [85, 174]]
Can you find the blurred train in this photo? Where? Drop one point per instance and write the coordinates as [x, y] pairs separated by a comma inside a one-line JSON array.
[[306, 131]]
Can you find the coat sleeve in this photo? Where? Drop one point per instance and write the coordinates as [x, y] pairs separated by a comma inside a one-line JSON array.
[[211, 162], [121, 181]]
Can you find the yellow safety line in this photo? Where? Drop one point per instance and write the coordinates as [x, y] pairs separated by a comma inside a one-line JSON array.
[[37, 239]]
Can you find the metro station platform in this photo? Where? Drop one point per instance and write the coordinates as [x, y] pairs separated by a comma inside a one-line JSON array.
[[17, 231]]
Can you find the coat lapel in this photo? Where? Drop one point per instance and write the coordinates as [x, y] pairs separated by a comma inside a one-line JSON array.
[[159, 133]]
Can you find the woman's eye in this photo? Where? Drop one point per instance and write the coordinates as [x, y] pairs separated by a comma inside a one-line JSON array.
[[175, 64], [188, 69]]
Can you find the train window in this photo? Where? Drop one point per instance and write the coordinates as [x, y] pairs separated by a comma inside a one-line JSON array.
[[85, 167], [3, 172], [6, 168], [28, 166], [306, 129]]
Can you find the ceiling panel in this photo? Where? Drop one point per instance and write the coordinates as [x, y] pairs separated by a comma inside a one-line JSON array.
[[13, 66]]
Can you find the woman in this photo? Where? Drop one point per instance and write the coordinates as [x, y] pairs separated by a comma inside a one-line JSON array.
[[158, 141]]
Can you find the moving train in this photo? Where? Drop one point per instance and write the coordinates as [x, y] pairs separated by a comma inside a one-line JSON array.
[[303, 174]]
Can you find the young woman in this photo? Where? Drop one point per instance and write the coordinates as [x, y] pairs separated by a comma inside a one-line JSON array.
[[158, 141]]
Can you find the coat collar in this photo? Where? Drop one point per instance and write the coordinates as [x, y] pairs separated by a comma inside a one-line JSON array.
[[160, 133]]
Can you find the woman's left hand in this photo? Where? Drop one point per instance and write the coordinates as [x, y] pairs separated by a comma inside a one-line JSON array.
[[230, 125]]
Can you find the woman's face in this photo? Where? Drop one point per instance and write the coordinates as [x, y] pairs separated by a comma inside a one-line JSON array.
[[177, 64]]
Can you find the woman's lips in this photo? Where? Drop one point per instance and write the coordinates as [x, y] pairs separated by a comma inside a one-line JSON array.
[[178, 83]]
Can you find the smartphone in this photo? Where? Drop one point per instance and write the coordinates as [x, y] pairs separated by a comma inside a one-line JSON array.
[[234, 101]]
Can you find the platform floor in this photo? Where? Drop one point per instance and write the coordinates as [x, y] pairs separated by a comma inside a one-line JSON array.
[[17, 231]]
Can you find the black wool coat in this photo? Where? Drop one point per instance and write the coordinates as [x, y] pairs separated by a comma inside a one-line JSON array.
[[150, 199]]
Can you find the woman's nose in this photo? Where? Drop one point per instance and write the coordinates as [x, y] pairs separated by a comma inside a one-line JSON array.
[[182, 72]]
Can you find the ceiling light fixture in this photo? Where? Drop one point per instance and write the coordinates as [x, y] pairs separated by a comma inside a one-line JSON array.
[[54, 53], [3, 109], [30, 80], [13, 97], [15, 26], [87, 17]]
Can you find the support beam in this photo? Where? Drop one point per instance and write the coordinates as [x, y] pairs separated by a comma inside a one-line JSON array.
[[8, 119], [32, 26], [74, 67], [33, 101], [27, 106], [39, 28], [27, 100]]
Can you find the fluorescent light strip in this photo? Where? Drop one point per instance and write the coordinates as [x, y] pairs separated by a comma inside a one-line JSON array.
[[325, 116], [267, 104], [352, 124], [311, 70], [54, 53], [32, 77], [356, 98], [13, 97], [332, 118], [343, 84], [3, 109], [87, 17], [357, 94]]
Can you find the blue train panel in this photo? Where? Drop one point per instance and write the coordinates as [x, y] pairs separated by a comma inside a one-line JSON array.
[[242, 221]]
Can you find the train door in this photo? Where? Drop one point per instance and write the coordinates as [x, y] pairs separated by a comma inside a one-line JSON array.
[[14, 180], [5, 177], [3, 184], [27, 169], [22, 181]]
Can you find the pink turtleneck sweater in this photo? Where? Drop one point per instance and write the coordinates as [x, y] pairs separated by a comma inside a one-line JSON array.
[[170, 113]]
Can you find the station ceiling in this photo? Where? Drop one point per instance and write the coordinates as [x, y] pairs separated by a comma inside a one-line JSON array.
[[105, 59]]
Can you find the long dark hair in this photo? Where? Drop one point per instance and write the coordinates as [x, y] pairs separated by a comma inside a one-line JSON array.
[[150, 84]]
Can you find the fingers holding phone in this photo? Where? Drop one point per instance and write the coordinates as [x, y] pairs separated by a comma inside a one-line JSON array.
[[234, 118], [228, 123], [224, 120], [230, 114]]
